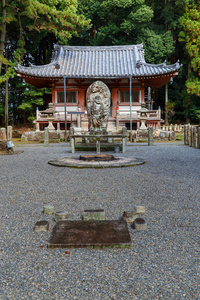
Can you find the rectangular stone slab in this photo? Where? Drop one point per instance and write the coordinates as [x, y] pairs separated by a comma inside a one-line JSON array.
[[90, 234]]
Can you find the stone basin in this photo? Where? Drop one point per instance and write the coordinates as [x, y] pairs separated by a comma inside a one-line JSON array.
[[97, 157]]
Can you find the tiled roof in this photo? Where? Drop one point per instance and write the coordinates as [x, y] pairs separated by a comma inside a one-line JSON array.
[[101, 61]]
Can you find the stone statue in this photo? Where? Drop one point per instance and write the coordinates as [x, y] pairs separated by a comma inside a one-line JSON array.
[[98, 106]]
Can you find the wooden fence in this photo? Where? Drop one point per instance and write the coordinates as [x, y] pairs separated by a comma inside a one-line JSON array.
[[192, 135]]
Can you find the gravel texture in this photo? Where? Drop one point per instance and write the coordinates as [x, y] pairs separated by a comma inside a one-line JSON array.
[[164, 261]]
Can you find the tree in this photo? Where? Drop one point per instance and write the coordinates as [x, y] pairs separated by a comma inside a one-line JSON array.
[[190, 36], [32, 98], [37, 25], [114, 22], [33, 18], [121, 22]]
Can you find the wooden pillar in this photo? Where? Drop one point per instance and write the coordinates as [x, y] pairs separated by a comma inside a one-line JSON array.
[[53, 93], [114, 96], [166, 100], [81, 99], [142, 95]]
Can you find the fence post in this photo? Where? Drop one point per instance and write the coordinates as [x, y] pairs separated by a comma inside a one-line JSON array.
[[186, 134], [191, 136], [72, 139], [3, 134], [9, 133], [198, 137], [194, 136], [124, 132], [46, 137], [150, 136]]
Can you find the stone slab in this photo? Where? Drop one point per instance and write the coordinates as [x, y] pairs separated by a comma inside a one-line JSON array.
[[90, 234]]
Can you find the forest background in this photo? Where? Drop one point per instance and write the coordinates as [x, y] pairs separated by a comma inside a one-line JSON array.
[[168, 29]]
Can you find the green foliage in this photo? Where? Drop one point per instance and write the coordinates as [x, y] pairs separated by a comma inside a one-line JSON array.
[[32, 26], [31, 99], [169, 108], [190, 36], [31, 18], [158, 44], [113, 22], [1, 110], [193, 85]]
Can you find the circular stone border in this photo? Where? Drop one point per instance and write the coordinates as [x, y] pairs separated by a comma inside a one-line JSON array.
[[75, 162]]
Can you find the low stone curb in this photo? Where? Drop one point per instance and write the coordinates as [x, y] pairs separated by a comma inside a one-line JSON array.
[[75, 162]]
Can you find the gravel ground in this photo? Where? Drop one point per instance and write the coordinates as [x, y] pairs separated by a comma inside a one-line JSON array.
[[164, 261]]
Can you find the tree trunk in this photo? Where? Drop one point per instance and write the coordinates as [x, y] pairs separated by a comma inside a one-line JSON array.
[[6, 104], [187, 118], [6, 98], [3, 30]]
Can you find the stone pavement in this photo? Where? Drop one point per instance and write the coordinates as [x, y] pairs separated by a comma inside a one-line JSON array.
[[163, 262]]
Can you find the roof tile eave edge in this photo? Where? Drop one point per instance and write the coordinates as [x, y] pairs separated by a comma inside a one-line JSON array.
[[133, 76]]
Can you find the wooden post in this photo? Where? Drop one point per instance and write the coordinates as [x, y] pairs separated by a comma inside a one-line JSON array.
[[186, 134], [130, 108], [191, 136], [194, 136], [166, 100], [198, 137]]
